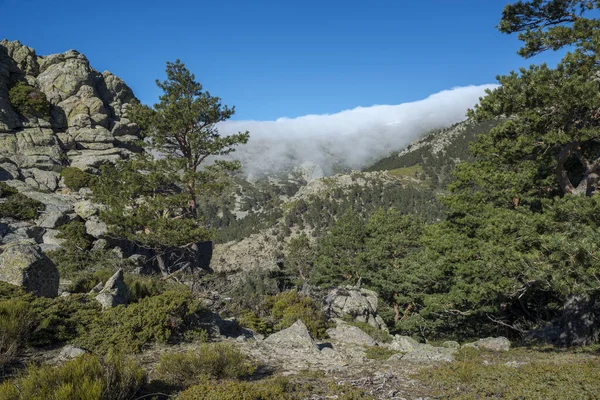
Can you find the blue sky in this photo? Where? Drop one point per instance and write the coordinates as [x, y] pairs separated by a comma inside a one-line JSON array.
[[275, 59]]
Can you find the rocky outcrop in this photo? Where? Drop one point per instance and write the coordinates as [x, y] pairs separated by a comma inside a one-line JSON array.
[[355, 303], [351, 335], [87, 125], [26, 266], [114, 291]]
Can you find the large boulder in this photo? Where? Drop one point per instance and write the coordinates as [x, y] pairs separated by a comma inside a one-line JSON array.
[[351, 335], [114, 292], [357, 304], [26, 266]]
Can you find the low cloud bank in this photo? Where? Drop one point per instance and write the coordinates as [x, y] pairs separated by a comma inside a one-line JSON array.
[[351, 138]]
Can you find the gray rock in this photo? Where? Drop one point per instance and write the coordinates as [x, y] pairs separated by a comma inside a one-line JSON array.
[[115, 291], [50, 238], [404, 344], [70, 352], [86, 209], [28, 267], [358, 304], [96, 228], [490, 343], [296, 336], [52, 219], [413, 351], [349, 334]]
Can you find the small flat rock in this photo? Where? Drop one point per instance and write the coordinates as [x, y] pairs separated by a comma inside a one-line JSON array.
[[492, 344]]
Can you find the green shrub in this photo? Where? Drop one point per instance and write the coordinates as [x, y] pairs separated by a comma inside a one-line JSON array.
[[84, 378], [514, 375], [7, 190], [288, 307], [75, 179], [234, 390], [211, 360], [14, 324], [249, 319], [19, 206], [50, 321], [61, 319], [161, 318], [29, 101], [379, 353]]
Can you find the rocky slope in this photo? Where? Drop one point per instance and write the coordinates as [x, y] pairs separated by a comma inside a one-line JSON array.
[[87, 125]]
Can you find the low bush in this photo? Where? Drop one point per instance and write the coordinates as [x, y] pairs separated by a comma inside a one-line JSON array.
[[281, 311], [379, 353], [50, 321], [272, 389], [84, 378], [163, 318], [28, 101], [515, 375], [7, 190], [14, 325], [288, 307], [75, 179], [21, 207], [211, 360], [235, 390]]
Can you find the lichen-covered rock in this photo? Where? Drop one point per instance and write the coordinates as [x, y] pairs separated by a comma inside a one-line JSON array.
[[86, 209], [28, 267], [348, 334], [413, 351], [87, 111], [52, 219], [296, 336], [358, 304], [70, 352], [96, 228], [493, 344], [114, 292]]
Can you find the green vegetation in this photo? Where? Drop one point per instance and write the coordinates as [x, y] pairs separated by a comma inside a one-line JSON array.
[[515, 375], [162, 319], [14, 320], [169, 316], [379, 353], [210, 360], [16, 205], [154, 202], [76, 179], [271, 389], [29, 101], [282, 310], [84, 378]]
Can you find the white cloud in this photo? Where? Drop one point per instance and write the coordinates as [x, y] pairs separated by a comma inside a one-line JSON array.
[[352, 138]]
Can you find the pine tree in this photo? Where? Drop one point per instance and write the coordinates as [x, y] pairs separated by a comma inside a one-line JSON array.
[[153, 200]]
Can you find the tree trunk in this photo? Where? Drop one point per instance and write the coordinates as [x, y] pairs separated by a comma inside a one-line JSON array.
[[396, 312], [160, 260]]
